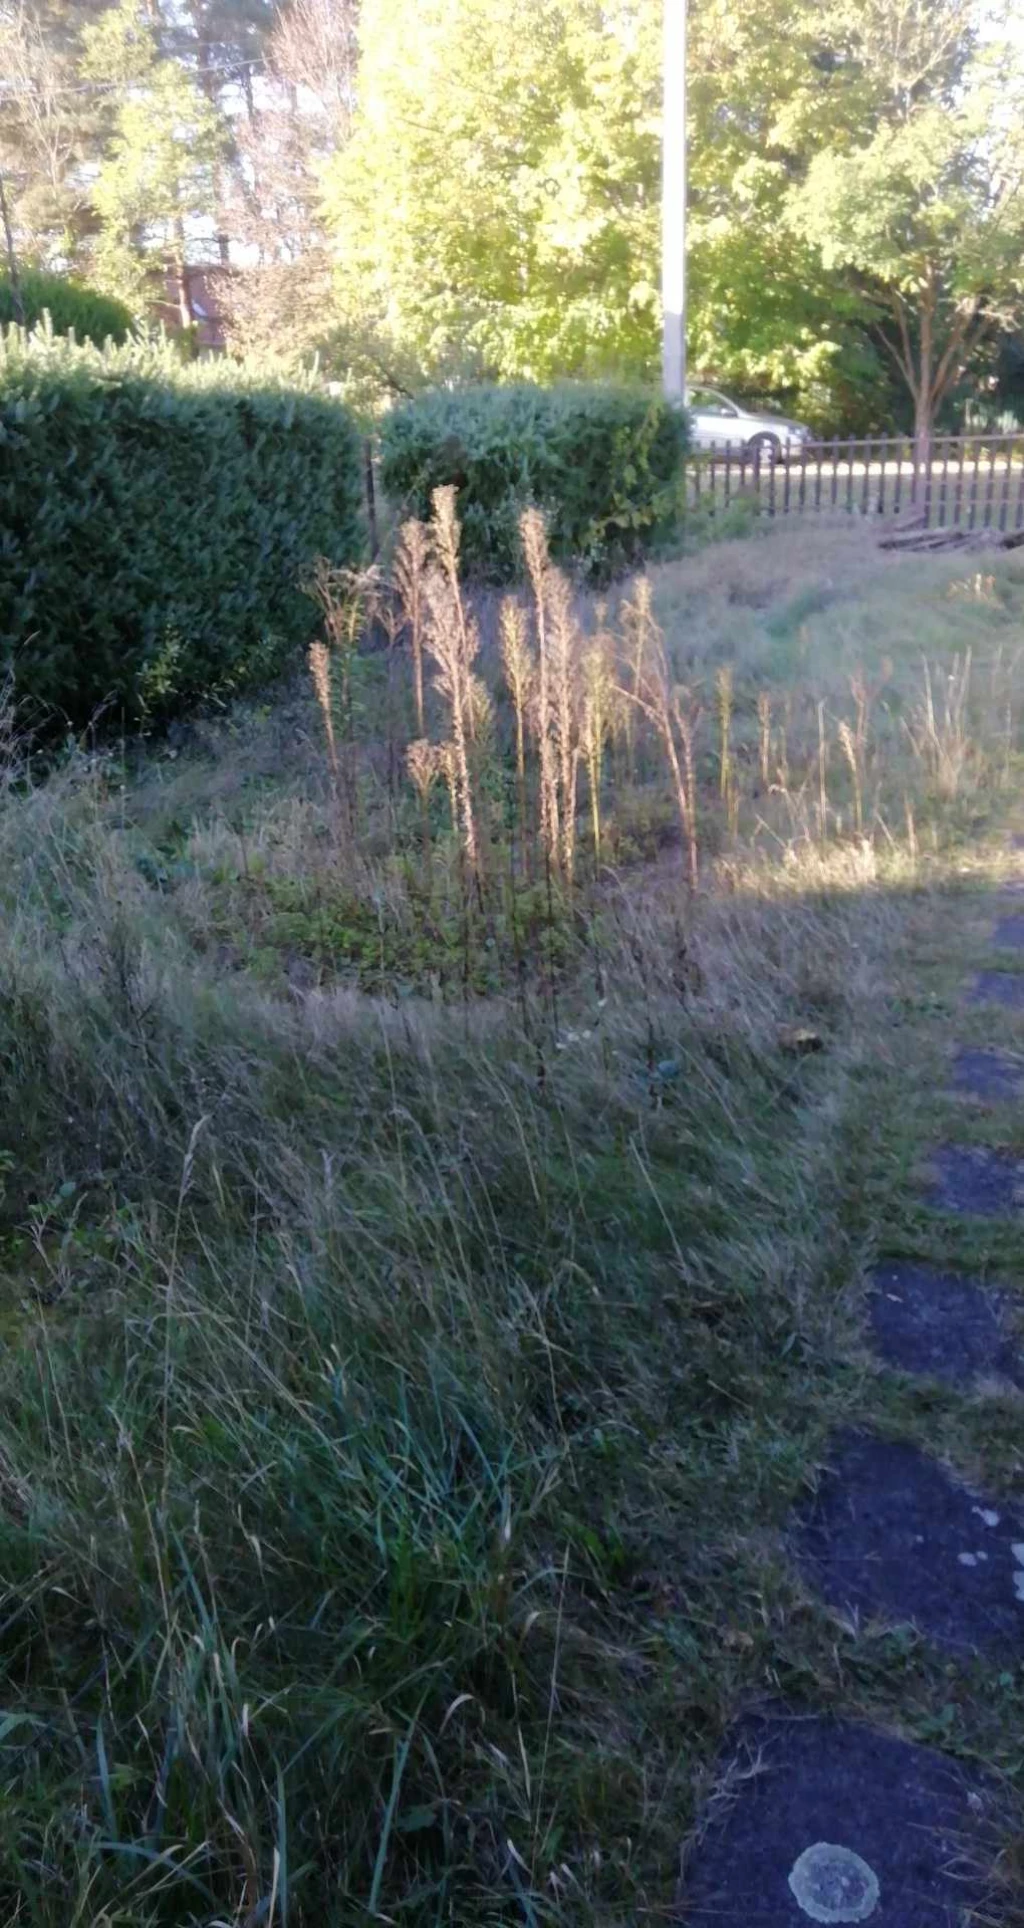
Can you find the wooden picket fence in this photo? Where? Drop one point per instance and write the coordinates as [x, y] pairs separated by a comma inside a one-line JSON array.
[[970, 482]]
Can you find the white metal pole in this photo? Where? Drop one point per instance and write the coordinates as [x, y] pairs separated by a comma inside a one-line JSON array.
[[673, 204]]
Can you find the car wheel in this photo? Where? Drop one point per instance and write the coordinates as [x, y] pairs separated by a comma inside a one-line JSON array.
[[766, 448]]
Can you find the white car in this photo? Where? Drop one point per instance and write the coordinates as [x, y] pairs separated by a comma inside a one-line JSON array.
[[715, 420]]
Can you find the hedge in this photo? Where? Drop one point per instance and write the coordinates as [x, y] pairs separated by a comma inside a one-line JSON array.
[[73, 307], [604, 462], [155, 521]]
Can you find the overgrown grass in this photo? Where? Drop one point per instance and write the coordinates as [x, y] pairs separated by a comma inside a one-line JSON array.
[[423, 1307]]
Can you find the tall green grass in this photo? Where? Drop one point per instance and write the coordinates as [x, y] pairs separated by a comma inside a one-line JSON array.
[[397, 1398]]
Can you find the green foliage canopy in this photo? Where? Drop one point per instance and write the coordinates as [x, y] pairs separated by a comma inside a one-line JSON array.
[[157, 176], [498, 204], [72, 307], [919, 195], [497, 209]]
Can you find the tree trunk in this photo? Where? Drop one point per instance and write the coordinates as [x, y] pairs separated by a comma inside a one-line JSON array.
[[12, 259], [922, 431], [924, 397], [183, 289]]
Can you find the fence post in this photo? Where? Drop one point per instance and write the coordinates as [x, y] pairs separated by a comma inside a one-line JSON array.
[[990, 485], [975, 483], [958, 495], [1004, 501], [944, 484], [865, 494]]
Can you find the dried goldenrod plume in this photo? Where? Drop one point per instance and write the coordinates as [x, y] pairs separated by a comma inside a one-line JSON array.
[[347, 600], [411, 558], [447, 765], [425, 763], [446, 542], [480, 712], [764, 720], [452, 642], [519, 666], [598, 691], [320, 671], [533, 530], [564, 648]]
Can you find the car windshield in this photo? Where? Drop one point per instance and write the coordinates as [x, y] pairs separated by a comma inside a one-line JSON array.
[[707, 402]]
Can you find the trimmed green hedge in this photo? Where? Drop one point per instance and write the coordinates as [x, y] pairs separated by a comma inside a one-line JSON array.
[[604, 462], [71, 305], [155, 520]]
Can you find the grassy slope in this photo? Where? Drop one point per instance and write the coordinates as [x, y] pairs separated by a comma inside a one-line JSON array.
[[400, 1413]]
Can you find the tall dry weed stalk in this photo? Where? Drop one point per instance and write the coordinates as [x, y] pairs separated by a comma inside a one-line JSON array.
[[724, 690], [787, 719], [822, 775], [425, 763], [848, 745], [320, 672], [938, 732], [674, 714], [535, 552], [865, 695], [637, 622], [597, 680], [764, 721], [347, 600], [452, 640], [565, 652], [411, 559], [520, 670]]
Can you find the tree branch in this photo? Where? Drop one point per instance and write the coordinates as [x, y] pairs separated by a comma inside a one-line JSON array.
[[890, 347], [950, 365]]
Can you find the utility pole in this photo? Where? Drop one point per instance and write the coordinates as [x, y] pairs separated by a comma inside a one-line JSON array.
[[673, 205], [12, 259]]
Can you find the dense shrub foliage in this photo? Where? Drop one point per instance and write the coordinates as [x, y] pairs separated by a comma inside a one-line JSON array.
[[73, 307], [155, 522], [603, 462]]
